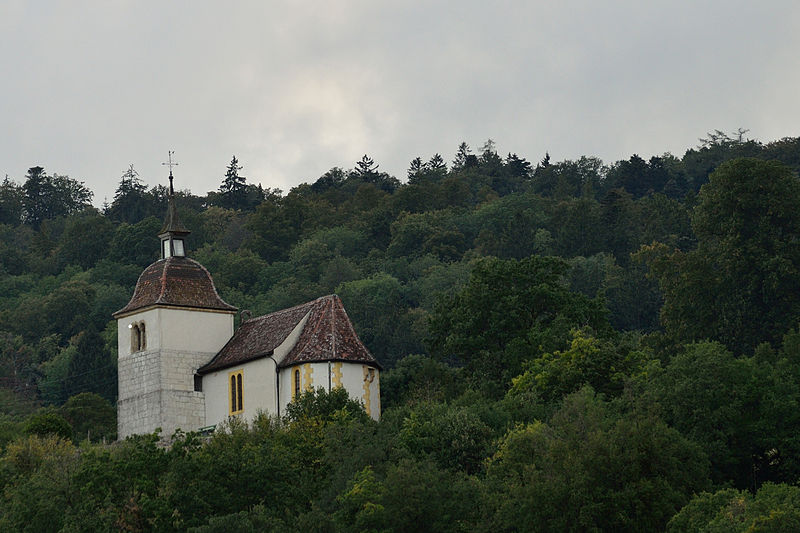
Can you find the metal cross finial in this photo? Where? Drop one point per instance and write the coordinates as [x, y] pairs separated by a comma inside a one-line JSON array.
[[170, 165]]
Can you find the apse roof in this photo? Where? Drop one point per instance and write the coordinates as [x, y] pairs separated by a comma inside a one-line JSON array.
[[327, 335], [175, 282]]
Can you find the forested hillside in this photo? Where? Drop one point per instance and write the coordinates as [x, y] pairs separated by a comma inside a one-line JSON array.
[[568, 346]]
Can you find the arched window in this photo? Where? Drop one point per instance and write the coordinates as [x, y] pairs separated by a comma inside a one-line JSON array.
[[236, 393], [296, 383], [134, 338], [142, 337], [239, 394], [138, 337]]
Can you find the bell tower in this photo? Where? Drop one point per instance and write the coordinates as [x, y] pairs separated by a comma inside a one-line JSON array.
[[174, 323]]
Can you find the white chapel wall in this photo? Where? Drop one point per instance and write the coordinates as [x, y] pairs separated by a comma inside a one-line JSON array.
[[354, 377], [258, 388], [362, 383], [195, 331]]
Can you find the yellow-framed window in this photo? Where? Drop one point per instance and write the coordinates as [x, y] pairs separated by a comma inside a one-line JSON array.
[[235, 392], [296, 390]]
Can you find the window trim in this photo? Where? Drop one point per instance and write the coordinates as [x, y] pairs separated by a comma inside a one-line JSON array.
[[138, 337], [236, 392]]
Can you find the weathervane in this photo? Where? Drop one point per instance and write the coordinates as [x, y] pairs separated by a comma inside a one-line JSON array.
[[170, 165]]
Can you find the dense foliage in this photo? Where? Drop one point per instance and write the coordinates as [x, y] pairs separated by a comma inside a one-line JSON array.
[[569, 346]]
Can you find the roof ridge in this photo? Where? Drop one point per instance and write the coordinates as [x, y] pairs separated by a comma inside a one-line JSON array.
[[352, 328], [163, 279], [213, 286], [333, 325], [288, 309], [300, 349]]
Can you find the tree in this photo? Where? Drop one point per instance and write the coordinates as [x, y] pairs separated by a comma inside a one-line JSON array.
[[738, 409], [233, 190], [464, 157], [419, 378], [92, 417], [631, 175], [48, 197], [603, 364], [739, 285], [37, 196], [324, 406], [775, 508], [41, 487], [366, 169], [415, 170], [91, 368], [85, 238], [136, 244], [332, 179], [618, 215], [16, 363], [412, 496], [47, 421], [518, 166], [713, 150], [454, 437], [11, 203], [437, 166], [508, 312], [381, 316], [131, 201], [588, 469]]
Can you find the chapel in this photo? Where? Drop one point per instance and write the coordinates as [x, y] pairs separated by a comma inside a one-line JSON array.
[[181, 364]]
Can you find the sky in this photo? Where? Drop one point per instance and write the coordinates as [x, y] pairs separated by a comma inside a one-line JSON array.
[[294, 88]]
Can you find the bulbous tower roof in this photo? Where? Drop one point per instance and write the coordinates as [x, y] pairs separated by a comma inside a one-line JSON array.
[[175, 282]]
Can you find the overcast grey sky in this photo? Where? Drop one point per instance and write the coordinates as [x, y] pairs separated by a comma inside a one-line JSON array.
[[293, 88]]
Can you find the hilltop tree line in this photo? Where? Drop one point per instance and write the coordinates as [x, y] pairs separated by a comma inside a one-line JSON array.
[[569, 346]]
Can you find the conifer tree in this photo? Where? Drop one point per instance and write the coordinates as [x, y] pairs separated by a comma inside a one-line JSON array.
[[233, 190], [130, 202]]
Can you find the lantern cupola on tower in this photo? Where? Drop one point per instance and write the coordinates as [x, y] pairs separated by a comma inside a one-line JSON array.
[[173, 233]]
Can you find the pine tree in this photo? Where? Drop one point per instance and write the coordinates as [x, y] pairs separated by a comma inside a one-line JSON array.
[[415, 169], [366, 169], [233, 190], [130, 202], [462, 155]]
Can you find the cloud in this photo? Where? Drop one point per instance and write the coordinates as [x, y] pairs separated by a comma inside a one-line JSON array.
[[295, 88]]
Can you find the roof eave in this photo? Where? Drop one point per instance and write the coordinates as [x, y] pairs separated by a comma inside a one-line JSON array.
[[373, 362], [122, 313], [208, 368]]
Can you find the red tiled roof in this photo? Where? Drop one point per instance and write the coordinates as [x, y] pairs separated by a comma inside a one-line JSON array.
[[327, 335], [175, 282]]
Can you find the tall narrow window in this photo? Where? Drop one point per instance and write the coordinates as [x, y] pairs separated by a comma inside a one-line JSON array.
[[233, 393], [236, 392], [135, 338], [142, 337], [296, 383], [239, 394]]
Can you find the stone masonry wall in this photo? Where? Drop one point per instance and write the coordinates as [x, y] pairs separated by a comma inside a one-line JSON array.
[[156, 389], [139, 398]]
